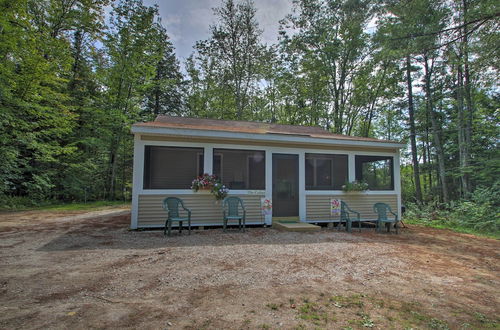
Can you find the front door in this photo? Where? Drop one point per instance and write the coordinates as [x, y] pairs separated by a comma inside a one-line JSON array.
[[285, 185]]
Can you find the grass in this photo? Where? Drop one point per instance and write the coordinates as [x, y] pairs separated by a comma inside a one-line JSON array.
[[70, 206], [453, 227], [362, 311]]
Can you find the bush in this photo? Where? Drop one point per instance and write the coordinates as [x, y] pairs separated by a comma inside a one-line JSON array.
[[479, 213]]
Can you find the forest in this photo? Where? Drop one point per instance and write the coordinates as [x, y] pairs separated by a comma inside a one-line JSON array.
[[76, 74]]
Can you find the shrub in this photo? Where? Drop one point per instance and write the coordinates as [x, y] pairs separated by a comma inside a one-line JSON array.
[[479, 212]]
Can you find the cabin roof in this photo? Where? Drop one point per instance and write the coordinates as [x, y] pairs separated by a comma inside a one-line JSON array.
[[251, 127]]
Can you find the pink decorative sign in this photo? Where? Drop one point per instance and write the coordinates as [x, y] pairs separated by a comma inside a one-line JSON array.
[[335, 206], [266, 205]]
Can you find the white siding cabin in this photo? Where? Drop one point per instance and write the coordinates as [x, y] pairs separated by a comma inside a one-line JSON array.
[[300, 168]]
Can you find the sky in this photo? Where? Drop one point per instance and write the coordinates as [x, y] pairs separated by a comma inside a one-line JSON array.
[[188, 21]]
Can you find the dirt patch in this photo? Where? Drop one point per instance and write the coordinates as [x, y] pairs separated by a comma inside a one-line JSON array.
[[89, 271]]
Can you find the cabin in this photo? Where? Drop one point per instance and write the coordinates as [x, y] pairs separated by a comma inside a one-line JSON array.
[[299, 169]]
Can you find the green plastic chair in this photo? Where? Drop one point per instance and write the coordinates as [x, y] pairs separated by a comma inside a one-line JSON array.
[[171, 205], [345, 216], [231, 210], [382, 211]]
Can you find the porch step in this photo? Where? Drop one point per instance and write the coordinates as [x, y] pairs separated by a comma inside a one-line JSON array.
[[295, 226]]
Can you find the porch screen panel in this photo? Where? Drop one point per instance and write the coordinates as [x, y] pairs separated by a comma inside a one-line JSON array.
[[325, 171], [240, 169], [171, 167], [377, 171]]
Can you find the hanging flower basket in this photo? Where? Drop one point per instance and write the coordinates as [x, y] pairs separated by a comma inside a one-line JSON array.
[[207, 182]]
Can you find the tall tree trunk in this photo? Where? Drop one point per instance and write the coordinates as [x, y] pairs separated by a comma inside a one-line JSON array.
[[425, 183], [435, 131], [469, 102], [462, 143], [413, 134], [428, 149], [113, 158]]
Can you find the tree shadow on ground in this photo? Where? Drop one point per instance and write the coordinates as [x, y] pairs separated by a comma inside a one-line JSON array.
[[113, 233]]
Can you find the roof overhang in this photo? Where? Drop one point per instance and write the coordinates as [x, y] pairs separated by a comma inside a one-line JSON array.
[[280, 138]]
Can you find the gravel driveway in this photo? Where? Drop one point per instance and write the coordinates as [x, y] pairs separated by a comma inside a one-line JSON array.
[[81, 271]]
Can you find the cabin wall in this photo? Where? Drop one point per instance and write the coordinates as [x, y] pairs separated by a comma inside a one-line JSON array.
[[318, 206], [313, 205], [205, 211]]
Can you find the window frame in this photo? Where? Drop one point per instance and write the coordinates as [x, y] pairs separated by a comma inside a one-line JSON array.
[[326, 157], [220, 152], [146, 173], [358, 172]]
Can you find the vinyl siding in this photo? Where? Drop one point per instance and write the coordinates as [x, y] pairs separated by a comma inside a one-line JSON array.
[[204, 210], [318, 207]]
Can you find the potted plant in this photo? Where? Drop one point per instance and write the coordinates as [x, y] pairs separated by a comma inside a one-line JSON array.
[[210, 183], [355, 186], [203, 182], [219, 190]]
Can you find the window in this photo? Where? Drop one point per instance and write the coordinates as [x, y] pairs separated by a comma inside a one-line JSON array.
[[325, 172], [171, 167], [240, 169], [377, 171]]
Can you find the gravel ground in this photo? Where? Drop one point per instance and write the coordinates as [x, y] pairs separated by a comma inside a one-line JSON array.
[[89, 271]]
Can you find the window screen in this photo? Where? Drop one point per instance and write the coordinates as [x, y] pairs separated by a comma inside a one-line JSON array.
[[325, 171], [240, 169], [171, 167], [377, 171]]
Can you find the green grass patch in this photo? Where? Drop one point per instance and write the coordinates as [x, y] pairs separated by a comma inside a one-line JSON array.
[[355, 300], [443, 224], [314, 313], [274, 307], [68, 206], [362, 311]]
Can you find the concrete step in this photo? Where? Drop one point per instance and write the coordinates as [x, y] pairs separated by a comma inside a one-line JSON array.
[[295, 226]]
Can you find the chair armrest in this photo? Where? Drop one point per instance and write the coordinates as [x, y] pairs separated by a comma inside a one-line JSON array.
[[186, 209], [358, 215], [394, 214]]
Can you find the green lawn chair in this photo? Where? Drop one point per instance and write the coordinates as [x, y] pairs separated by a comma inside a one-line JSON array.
[[171, 205], [346, 215], [231, 209], [382, 210]]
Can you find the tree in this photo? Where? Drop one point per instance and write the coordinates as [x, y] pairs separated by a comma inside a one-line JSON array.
[[164, 93], [230, 60], [330, 40]]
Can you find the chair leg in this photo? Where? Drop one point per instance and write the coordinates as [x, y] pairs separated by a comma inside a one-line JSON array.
[[244, 223], [396, 227], [189, 226], [224, 225], [165, 230], [169, 227], [359, 226], [180, 227], [348, 226]]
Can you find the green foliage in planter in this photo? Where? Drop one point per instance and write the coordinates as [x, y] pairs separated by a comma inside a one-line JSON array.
[[355, 186]]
